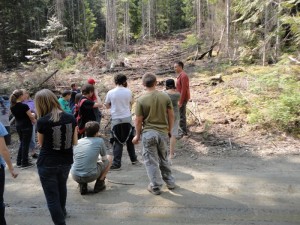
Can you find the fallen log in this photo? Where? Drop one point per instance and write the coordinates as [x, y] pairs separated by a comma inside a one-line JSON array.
[[51, 75]]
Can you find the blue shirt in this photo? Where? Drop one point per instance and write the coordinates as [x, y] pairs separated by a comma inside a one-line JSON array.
[[3, 132]]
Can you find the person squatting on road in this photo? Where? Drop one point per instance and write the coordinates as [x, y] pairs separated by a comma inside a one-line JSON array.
[[90, 159], [154, 118], [183, 87], [4, 157], [24, 121], [57, 134], [119, 101]]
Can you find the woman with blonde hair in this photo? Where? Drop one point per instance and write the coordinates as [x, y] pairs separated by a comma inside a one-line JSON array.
[[57, 133], [24, 122]]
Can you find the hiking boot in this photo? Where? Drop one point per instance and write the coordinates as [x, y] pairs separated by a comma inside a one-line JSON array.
[[171, 186], [83, 188], [99, 186], [155, 191], [27, 165], [115, 168], [137, 163]]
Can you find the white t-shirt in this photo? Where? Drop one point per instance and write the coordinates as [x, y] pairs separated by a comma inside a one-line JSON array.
[[120, 100]]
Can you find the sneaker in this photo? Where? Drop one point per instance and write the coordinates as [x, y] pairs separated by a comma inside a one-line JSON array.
[[26, 166], [155, 191], [83, 188], [18, 165], [115, 168], [99, 186], [171, 186], [137, 163]]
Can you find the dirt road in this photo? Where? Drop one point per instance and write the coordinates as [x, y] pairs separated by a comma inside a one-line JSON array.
[[212, 190]]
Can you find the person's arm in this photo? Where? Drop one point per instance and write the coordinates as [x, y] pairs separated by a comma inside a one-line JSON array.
[[31, 116], [75, 136], [170, 112], [98, 100], [6, 156], [40, 138], [107, 105], [138, 129]]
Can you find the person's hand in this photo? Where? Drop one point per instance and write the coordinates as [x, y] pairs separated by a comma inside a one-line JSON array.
[[13, 173], [135, 140]]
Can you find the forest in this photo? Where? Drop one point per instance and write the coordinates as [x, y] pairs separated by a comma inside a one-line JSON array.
[[248, 50], [247, 31]]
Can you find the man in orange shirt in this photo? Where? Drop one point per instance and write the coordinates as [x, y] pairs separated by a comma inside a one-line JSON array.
[[183, 87]]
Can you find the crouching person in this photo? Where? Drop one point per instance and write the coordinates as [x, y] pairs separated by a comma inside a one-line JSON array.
[[90, 159]]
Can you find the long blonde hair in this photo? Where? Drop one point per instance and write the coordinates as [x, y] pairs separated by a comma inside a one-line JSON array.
[[46, 102]]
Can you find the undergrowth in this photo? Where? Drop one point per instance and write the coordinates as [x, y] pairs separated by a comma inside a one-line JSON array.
[[269, 96]]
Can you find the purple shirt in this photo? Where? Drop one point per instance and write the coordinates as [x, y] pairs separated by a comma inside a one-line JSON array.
[[30, 103]]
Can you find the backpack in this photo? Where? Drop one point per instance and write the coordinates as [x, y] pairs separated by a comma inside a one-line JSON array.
[[79, 119]]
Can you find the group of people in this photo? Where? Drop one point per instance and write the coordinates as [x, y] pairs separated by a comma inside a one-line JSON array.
[[70, 141]]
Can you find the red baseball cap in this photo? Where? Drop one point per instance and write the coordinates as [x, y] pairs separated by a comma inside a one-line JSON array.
[[91, 81]]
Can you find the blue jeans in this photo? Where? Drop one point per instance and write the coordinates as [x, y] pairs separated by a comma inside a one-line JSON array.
[[2, 206], [54, 183], [25, 138]]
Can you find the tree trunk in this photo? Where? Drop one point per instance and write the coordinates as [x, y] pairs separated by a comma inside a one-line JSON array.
[[265, 35], [199, 18], [277, 45], [228, 28]]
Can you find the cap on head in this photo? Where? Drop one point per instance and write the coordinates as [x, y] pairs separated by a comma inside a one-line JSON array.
[[91, 81]]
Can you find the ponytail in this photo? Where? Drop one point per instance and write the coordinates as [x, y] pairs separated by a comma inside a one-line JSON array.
[[15, 96]]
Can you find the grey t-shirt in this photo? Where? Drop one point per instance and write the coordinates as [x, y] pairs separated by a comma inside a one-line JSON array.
[[86, 154], [175, 99]]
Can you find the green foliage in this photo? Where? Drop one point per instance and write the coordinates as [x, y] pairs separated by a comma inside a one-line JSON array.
[[293, 22], [191, 40], [277, 103]]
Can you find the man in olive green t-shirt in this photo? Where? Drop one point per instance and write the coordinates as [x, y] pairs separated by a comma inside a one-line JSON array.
[[155, 118]]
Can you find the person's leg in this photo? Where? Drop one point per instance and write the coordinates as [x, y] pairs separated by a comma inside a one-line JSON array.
[[49, 180], [32, 144], [103, 168], [2, 206], [19, 156], [117, 151], [62, 177], [151, 158], [26, 137], [131, 150], [182, 123], [163, 161]]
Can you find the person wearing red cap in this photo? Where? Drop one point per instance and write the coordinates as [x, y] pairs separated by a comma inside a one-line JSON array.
[[95, 98]]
